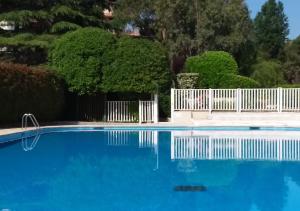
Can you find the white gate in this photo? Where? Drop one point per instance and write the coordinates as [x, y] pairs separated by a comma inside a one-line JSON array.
[[132, 111]]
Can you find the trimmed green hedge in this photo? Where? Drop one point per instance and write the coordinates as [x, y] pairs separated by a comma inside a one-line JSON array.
[[79, 57], [29, 90], [231, 81], [211, 66], [139, 66]]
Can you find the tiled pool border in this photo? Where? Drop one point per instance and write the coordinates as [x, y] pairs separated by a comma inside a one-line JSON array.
[[43, 130]]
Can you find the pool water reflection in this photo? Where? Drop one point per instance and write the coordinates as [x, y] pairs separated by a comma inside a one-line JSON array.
[[140, 170]]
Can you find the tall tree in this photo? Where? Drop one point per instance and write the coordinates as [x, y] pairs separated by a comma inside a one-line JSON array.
[[35, 23], [271, 29], [191, 27]]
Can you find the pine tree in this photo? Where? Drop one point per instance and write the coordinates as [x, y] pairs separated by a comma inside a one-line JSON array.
[[36, 23], [271, 29]]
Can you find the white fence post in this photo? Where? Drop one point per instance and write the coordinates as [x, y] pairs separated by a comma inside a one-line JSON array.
[[155, 109], [238, 100], [210, 100], [172, 104], [140, 112], [279, 99]]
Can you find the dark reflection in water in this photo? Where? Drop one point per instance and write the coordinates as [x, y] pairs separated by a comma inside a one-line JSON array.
[[139, 170]]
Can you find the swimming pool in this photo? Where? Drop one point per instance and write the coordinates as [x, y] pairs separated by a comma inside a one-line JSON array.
[[151, 169]]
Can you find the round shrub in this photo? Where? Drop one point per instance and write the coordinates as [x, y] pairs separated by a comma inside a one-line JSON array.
[[29, 90], [231, 81], [211, 65], [139, 66], [268, 73], [79, 57]]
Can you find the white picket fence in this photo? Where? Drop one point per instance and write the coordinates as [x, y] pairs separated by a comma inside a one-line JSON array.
[[121, 111], [132, 111], [226, 148], [250, 100]]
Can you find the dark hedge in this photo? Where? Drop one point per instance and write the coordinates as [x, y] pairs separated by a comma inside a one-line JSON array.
[[29, 90]]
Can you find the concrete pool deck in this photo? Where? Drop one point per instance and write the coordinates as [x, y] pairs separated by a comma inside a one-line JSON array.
[[195, 123]]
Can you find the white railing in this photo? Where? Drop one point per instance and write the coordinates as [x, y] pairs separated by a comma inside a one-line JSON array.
[[148, 110], [121, 111], [243, 148], [191, 99], [290, 99], [132, 111], [146, 113], [248, 100]]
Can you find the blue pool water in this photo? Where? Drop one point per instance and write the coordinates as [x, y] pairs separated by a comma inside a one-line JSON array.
[[142, 170]]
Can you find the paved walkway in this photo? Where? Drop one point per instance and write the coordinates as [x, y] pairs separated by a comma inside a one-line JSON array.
[[199, 123]]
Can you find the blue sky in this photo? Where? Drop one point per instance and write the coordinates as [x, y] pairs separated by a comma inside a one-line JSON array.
[[292, 10]]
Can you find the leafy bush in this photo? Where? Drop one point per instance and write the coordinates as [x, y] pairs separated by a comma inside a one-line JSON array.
[[211, 65], [231, 81], [79, 57], [289, 85], [139, 66], [164, 102], [268, 73], [187, 80], [29, 90]]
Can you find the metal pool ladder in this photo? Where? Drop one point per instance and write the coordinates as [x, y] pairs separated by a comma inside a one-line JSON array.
[[26, 144]]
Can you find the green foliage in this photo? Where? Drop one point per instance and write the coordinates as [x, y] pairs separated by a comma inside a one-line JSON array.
[[42, 17], [79, 57], [231, 81], [187, 28], [63, 27], [187, 80], [29, 90], [139, 65], [164, 102], [25, 18], [268, 73], [28, 39], [271, 28], [211, 66], [289, 85], [26, 48], [292, 61]]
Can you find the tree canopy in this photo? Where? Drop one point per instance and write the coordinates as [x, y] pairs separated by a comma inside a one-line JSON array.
[[191, 27], [271, 29], [292, 61], [36, 20]]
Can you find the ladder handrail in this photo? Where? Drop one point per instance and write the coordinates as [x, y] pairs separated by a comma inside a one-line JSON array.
[[33, 120], [25, 145]]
